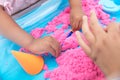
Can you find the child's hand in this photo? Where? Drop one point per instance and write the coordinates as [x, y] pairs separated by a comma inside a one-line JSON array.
[[76, 18], [103, 47], [46, 44]]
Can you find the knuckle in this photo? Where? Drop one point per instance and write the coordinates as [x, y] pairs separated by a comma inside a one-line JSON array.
[[95, 55], [85, 33], [48, 43], [77, 17], [98, 47], [48, 47], [98, 44], [50, 38], [92, 23], [34, 50], [103, 41], [115, 37], [94, 58]]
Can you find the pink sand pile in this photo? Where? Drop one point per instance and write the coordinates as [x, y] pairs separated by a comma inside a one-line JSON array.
[[60, 35], [88, 5], [66, 42], [75, 65], [62, 18], [36, 33], [45, 67], [70, 43]]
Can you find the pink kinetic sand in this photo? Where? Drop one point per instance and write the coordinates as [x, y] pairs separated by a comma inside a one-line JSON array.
[[45, 67], [36, 33], [73, 63]]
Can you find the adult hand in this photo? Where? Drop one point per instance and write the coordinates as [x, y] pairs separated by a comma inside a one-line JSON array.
[[103, 46]]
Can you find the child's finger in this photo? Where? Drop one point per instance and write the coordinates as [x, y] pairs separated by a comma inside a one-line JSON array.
[[72, 22], [73, 26], [95, 26], [56, 47], [86, 31], [52, 51], [85, 47], [76, 25], [79, 25]]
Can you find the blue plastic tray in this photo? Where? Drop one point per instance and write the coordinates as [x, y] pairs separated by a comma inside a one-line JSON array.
[[9, 67]]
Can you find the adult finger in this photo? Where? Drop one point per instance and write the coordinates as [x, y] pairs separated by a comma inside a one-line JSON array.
[[95, 26], [85, 47], [86, 31]]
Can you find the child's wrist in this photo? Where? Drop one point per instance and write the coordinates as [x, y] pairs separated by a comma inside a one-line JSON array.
[[75, 8], [29, 43]]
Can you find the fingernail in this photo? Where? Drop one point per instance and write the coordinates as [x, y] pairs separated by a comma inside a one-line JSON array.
[[92, 11], [84, 17], [76, 32]]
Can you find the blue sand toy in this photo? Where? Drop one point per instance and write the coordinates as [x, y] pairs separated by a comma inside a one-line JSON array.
[[111, 6]]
